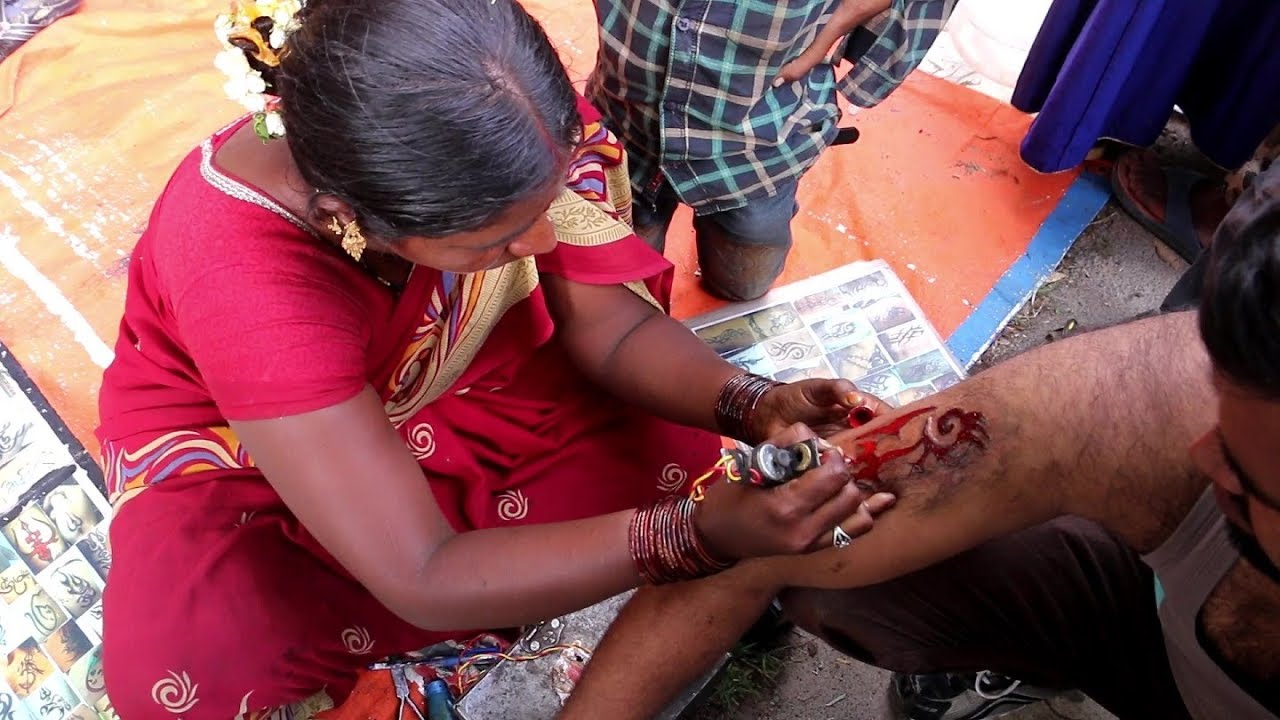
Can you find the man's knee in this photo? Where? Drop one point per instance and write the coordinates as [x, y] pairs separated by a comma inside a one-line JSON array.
[[804, 606], [742, 251], [738, 272], [827, 615]]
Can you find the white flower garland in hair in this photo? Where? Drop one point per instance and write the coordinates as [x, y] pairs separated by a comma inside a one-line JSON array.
[[238, 32]]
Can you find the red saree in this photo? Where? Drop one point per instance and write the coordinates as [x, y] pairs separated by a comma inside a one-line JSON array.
[[220, 603]]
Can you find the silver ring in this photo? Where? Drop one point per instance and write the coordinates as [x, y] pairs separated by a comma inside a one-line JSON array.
[[840, 538]]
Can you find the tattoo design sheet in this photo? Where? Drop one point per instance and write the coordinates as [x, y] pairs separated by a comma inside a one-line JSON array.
[[857, 322], [54, 560]]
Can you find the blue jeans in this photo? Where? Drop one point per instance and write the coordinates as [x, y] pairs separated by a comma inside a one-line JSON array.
[[740, 251]]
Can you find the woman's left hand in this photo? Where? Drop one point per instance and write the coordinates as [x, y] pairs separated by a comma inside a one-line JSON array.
[[821, 404]]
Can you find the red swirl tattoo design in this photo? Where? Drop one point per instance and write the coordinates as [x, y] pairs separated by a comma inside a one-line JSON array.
[[888, 453]]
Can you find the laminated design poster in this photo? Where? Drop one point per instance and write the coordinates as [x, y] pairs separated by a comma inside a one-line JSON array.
[[856, 322], [54, 560]]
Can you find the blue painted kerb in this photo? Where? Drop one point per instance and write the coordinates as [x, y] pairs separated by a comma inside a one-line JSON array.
[[1081, 203]]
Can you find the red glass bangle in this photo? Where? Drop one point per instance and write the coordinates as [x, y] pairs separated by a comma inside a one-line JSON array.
[[665, 544]]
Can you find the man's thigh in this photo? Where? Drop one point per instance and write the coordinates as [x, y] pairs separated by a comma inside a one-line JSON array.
[[763, 221], [1064, 604]]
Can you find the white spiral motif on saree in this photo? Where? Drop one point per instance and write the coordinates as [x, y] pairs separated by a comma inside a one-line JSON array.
[[672, 478], [422, 441], [244, 706], [175, 693], [356, 640], [512, 505]]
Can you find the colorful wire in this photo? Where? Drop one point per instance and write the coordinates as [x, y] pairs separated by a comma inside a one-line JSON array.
[[550, 650]]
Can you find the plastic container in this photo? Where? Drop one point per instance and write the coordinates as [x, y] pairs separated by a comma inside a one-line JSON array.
[[439, 701]]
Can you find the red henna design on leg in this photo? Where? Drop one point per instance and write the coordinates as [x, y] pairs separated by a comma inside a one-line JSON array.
[[947, 438]]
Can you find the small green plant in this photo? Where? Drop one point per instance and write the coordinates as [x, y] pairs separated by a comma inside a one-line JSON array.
[[752, 670]]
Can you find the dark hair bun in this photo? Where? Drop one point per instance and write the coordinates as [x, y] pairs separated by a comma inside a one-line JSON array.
[[428, 117]]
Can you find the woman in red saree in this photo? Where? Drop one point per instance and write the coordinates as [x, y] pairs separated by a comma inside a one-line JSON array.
[[397, 378]]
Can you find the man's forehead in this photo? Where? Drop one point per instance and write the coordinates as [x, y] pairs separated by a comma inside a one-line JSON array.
[[1248, 417]]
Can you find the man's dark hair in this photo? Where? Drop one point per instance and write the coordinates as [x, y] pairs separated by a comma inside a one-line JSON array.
[[429, 117], [1240, 307]]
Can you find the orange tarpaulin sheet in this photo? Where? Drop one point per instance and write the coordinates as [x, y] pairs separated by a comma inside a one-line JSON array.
[[99, 108]]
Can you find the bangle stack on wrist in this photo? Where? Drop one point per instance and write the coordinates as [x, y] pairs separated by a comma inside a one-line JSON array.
[[736, 405], [665, 544]]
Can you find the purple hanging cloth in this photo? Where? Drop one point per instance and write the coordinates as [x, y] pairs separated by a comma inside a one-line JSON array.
[[1116, 68]]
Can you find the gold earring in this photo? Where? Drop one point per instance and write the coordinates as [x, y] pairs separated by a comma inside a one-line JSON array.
[[352, 239]]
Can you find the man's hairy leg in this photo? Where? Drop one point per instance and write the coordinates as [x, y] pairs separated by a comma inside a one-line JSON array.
[[1097, 425]]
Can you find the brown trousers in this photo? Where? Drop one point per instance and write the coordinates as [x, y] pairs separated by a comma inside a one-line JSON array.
[[1064, 605]]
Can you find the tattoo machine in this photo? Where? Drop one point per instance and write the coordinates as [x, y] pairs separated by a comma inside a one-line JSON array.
[[764, 465], [768, 465]]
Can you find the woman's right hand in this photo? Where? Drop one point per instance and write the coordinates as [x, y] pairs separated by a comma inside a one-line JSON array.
[[739, 521]]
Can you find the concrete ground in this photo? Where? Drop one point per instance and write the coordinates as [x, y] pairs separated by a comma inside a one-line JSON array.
[[1116, 270]]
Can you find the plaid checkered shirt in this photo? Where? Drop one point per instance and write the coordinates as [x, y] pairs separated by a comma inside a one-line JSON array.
[[686, 84]]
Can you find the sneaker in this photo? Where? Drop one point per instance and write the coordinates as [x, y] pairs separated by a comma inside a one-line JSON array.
[[961, 696]]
